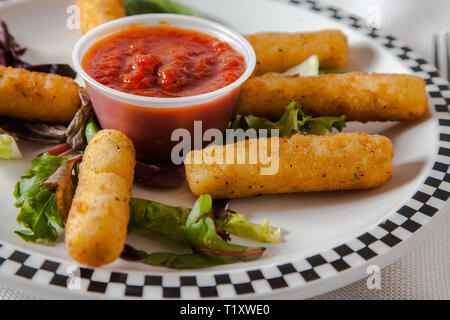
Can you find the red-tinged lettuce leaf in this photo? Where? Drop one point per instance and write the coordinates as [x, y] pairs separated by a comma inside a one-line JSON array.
[[10, 50], [34, 131], [62, 184], [46, 133], [220, 208], [231, 256], [189, 260], [75, 133], [166, 176], [173, 260], [58, 150], [130, 253]]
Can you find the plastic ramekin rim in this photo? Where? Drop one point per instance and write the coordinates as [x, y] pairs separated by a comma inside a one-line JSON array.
[[108, 28]]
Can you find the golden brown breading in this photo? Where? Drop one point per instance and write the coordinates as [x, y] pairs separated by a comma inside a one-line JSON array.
[[37, 96], [360, 96], [97, 224], [280, 51], [96, 12], [344, 161]]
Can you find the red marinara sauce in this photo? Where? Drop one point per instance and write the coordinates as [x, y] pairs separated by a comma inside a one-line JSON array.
[[163, 61]]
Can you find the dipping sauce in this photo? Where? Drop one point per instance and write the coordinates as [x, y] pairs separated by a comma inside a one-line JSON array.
[[163, 61]]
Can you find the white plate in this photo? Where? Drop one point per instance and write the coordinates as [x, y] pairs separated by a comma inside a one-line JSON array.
[[329, 238]]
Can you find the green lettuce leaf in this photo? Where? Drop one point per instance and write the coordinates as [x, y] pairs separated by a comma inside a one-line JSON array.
[[8, 147], [309, 67], [38, 209], [292, 121], [157, 6], [238, 225], [91, 127], [170, 222], [209, 248], [158, 218], [172, 260], [202, 235], [44, 196], [183, 261], [330, 71]]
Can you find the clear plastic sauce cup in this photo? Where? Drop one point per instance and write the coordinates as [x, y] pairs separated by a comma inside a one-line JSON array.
[[150, 121]]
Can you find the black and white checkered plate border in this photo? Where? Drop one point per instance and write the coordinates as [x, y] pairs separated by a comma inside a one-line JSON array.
[[418, 211]]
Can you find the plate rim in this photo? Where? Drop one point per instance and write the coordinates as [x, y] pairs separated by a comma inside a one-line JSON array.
[[311, 275]]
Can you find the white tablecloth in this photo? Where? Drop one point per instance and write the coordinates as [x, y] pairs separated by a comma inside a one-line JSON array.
[[424, 272]]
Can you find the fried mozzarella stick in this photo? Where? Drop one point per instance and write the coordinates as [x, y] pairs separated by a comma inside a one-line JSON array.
[[278, 51], [96, 12], [360, 96], [97, 223], [37, 96], [344, 161]]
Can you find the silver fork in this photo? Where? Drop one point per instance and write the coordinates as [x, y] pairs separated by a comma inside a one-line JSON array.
[[442, 54]]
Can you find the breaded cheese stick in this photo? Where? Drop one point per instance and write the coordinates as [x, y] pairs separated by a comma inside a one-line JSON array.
[[280, 51], [96, 12], [343, 161], [360, 96], [97, 223], [37, 96]]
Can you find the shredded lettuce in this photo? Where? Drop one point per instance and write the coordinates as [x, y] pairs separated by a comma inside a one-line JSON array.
[[292, 121], [8, 147]]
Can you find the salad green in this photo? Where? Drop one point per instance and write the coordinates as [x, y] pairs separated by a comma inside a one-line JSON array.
[[38, 208], [209, 248], [157, 6], [8, 147], [170, 221], [309, 67], [294, 120], [44, 195]]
